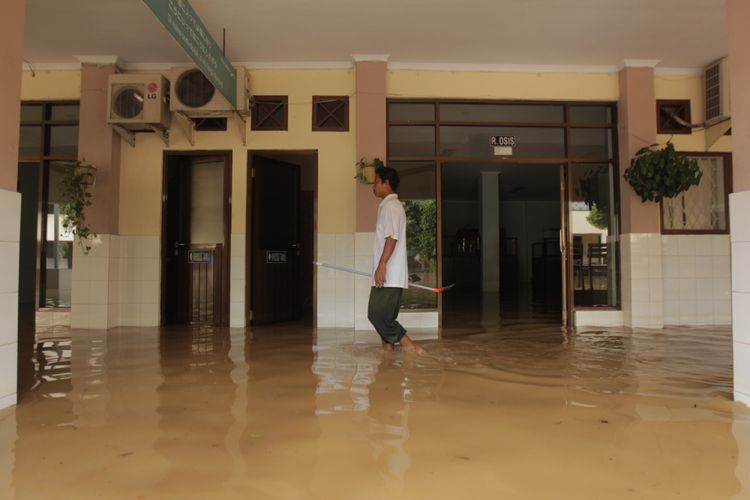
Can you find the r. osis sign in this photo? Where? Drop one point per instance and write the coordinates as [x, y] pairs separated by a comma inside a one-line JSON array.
[[502, 140]]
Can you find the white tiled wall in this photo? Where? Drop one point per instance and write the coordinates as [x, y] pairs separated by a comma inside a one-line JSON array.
[[739, 207], [237, 282], [696, 280], [91, 279], [593, 319], [641, 275], [117, 283], [335, 288], [10, 217], [363, 261], [140, 280]]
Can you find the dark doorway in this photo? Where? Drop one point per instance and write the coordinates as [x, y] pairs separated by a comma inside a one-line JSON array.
[[281, 236], [195, 238], [501, 243]]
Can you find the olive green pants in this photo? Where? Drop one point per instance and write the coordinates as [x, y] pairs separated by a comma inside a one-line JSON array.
[[382, 312]]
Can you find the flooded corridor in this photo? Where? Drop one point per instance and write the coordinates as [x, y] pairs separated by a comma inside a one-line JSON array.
[[293, 413]]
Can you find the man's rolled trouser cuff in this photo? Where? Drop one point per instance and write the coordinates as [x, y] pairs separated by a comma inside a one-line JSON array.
[[382, 311]]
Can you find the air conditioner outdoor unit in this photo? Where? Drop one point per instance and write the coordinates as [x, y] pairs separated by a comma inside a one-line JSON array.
[[139, 102], [194, 95], [716, 91]]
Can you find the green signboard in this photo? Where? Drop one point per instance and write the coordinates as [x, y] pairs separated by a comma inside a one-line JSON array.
[[186, 27]]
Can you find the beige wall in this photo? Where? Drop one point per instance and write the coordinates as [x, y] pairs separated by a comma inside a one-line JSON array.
[[141, 167], [492, 85], [51, 85], [140, 208]]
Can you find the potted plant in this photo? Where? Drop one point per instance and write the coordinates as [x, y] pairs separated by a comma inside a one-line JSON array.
[[657, 173], [78, 177], [366, 171]]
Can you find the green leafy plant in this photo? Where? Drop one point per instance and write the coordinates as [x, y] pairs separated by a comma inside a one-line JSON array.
[[75, 197], [421, 224], [597, 218], [366, 171], [661, 173]]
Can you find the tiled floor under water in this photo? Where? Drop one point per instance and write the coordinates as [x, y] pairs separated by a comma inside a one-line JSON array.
[[526, 412]]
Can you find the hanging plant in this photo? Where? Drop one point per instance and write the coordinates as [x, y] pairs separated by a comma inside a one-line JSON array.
[[366, 172], [661, 173], [75, 197]]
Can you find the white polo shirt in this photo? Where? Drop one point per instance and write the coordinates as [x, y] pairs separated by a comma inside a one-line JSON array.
[[391, 223]]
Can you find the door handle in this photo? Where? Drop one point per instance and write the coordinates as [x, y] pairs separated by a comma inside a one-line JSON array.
[[177, 246]]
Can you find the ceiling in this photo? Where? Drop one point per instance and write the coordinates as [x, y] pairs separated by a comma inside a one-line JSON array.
[[679, 33]]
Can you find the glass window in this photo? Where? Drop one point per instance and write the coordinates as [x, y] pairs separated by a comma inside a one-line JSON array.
[[702, 207], [51, 260], [31, 112], [63, 141], [523, 113], [417, 193], [58, 250], [411, 112], [411, 140], [30, 142], [587, 114], [593, 231], [590, 143], [64, 112], [536, 142]]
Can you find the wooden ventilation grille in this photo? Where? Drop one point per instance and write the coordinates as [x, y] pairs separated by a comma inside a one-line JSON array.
[[667, 114], [270, 113], [331, 113]]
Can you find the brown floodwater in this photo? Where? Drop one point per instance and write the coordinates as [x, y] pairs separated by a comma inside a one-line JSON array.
[[526, 412]]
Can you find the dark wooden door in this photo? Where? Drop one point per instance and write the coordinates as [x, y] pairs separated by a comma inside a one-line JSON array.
[[177, 241], [275, 242]]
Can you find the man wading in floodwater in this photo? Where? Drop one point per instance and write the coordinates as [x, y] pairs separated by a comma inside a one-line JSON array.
[[390, 275]]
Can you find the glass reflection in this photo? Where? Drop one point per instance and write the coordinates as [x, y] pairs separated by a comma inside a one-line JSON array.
[[594, 235]]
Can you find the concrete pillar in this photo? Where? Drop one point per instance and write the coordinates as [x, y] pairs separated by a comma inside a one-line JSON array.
[[738, 15], [370, 98], [640, 233], [15, 350], [490, 221], [95, 301], [371, 133]]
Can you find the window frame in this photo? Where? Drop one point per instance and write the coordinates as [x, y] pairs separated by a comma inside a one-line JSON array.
[[727, 190], [567, 160], [44, 161]]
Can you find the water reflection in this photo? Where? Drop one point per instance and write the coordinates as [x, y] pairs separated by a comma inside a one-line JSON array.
[[193, 404], [290, 412], [278, 441]]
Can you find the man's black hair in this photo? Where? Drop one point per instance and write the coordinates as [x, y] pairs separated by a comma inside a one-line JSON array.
[[389, 174]]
